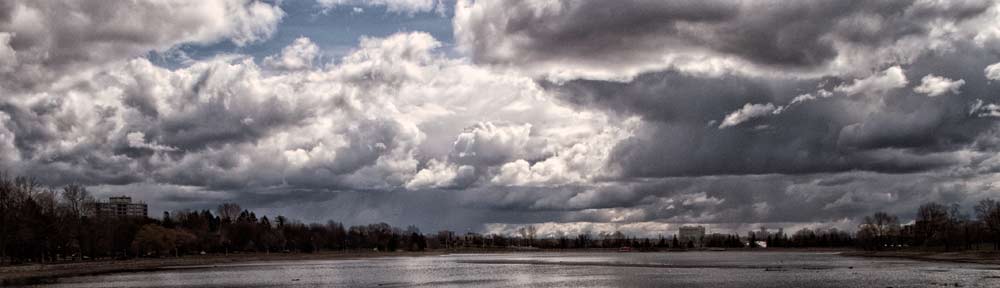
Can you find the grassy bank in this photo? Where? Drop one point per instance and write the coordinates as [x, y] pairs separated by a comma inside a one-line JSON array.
[[980, 257]]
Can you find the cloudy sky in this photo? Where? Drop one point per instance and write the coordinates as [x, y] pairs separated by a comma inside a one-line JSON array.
[[578, 116]]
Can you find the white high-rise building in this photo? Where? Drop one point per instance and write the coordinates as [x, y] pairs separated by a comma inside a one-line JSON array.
[[121, 206], [691, 234]]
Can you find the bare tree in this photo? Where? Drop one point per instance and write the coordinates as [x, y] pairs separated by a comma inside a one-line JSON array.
[[523, 232], [7, 197], [227, 214], [78, 203], [882, 227], [988, 213], [931, 223], [77, 199], [229, 211], [531, 231], [956, 227]]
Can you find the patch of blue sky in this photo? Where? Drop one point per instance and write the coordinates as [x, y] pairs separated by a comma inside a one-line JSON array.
[[336, 30]]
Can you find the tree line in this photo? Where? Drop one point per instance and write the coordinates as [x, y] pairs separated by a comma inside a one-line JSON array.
[[41, 224], [935, 227]]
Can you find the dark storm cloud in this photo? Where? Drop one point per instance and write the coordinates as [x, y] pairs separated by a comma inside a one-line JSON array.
[[559, 37], [721, 201], [6, 11], [898, 132], [31, 130], [850, 135], [671, 96], [130, 143], [216, 122]]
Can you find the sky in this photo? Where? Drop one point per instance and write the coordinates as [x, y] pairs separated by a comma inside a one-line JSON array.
[[485, 116]]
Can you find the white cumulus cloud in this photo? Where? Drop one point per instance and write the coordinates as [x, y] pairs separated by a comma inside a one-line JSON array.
[[299, 55], [992, 71], [56, 36], [395, 6], [935, 86], [749, 111], [876, 84]]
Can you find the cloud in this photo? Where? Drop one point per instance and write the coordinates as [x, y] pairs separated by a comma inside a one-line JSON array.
[[981, 109], [990, 110], [138, 140], [409, 7], [51, 38], [8, 57], [574, 116], [299, 55], [487, 144], [594, 229], [876, 84], [749, 111], [617, 41], [439, 174], [888, 131], [935, 86], [992, 71], [728, 204], [373, 121], [802, 98]]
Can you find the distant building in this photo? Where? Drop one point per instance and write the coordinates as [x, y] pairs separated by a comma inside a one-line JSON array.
[[761, 244], [761, 236], [471, 237], [691, 234], [121, 206]]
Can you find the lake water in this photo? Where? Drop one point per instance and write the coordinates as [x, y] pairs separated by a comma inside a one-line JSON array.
[[678, 269]]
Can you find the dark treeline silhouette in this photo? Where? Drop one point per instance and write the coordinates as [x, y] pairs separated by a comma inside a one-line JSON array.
[[936, 227], [806, 238], [231, 231], [39, 224], [45, 225]]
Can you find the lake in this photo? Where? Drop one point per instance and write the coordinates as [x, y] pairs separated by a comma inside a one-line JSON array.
[[584, 269]]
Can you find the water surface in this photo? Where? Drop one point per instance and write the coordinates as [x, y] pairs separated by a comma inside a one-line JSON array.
[[586, 269]]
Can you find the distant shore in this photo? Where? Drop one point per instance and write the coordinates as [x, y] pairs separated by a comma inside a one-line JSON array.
[[977, 257]]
